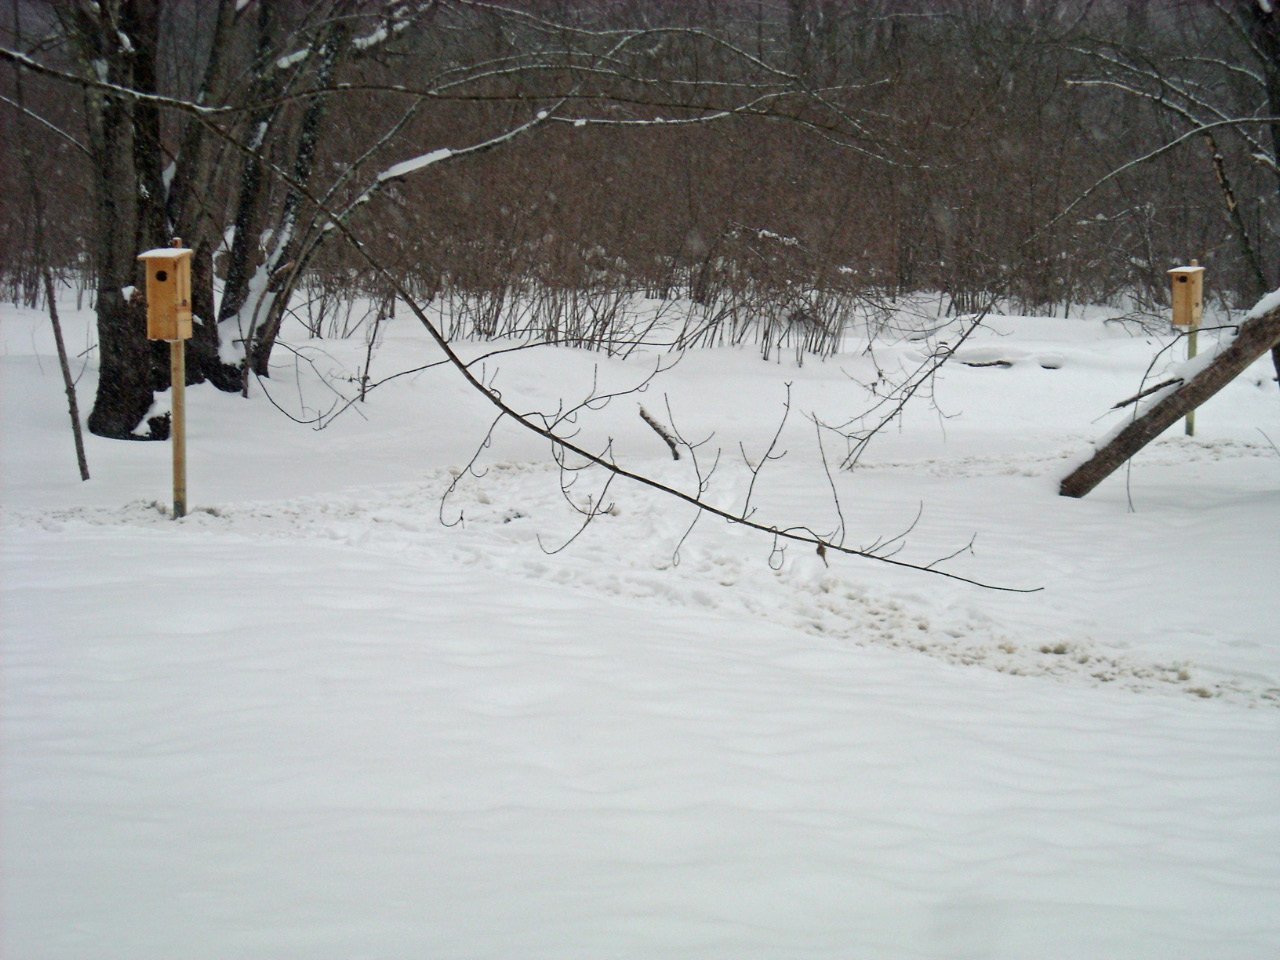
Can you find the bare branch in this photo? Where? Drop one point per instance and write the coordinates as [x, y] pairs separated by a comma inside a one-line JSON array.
[[46, 124], [1160, 151]]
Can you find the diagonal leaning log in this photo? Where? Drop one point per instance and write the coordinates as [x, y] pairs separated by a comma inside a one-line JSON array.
[[1256, 335]]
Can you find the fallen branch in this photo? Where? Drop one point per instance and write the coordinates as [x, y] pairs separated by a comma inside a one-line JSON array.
[[1259, 332], [661, 431], [563, 445]]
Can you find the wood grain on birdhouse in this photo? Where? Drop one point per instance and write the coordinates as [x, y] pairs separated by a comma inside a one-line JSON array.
[[1188, 295], [168, 292]]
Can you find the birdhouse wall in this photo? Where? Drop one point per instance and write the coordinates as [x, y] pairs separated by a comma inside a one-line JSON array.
[[1187, 295], [168, 296]]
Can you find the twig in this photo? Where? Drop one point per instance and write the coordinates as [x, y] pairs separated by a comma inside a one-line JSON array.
[[1147, 392]]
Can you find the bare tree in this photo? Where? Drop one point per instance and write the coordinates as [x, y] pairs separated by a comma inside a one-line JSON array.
[[780, 161], [41, 254], [161, 163], [590, 70]]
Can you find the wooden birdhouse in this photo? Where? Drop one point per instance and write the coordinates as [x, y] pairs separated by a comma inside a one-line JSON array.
[[168, 292], [1188, 295]]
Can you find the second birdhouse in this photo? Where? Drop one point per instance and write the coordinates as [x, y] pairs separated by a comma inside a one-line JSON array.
[[1188, 295], [168, 292]]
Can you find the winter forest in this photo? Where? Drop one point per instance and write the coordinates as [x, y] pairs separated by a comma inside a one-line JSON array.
[[668, 478]]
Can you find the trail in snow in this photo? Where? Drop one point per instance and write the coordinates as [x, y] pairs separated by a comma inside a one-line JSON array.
[[638, 551]]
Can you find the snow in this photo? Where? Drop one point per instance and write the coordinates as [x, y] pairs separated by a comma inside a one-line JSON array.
[[1268, 303], [370, 40], [416, 163], [166, 253], [259, 135], [310, 720], [1192, 367], [770, 235], [292, 59]]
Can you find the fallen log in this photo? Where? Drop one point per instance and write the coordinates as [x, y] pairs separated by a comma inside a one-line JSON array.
[[1256, 335]]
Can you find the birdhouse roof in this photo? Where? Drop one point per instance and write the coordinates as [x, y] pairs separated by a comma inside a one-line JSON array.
[[166, 253], [1187, 270]]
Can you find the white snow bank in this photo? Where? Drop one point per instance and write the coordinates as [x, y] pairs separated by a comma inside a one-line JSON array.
[[308, 720]]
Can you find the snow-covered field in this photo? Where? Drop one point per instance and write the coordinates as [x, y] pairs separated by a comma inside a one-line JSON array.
[[312, 721]]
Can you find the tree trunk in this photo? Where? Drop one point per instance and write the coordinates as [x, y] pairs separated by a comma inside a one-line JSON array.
[[1265, 31], [124, 378], [285, 264], [195, 169], [1254, 338], [41, 252], [246, 237], [204, 361], [124, 374]]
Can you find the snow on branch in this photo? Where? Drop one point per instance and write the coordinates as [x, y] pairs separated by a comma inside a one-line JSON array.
[[1192, 383], [412, 165], [1160, 151], [34, 66], [394, 23], [422, 161]]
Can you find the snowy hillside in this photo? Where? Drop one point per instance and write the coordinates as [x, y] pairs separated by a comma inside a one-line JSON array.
[[311, 720]]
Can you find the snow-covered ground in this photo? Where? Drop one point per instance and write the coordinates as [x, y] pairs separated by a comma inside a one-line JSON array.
[[312, 721]]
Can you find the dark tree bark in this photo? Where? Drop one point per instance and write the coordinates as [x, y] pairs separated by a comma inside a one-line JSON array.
[[1264, 29], [285, 265], [41, 253], [125, 384], [191, 218], [249, 201], [1264, 23]]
